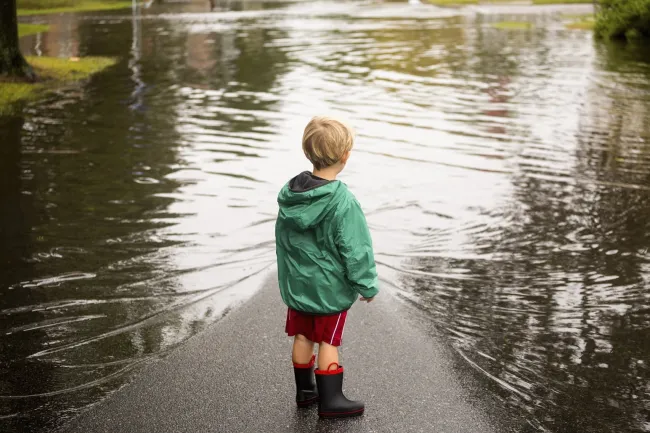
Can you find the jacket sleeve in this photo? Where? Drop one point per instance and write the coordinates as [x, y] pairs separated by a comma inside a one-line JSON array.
[[355, 248]]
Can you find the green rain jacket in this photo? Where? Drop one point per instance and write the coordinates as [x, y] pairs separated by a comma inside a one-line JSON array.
[[323, 246]]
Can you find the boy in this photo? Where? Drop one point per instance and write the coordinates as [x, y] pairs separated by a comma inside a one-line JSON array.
[[325, 260]]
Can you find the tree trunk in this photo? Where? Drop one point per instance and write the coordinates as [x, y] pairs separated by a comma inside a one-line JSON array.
[[12, 62]]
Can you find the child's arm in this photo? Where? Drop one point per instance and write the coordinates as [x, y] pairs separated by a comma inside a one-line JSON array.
[[355, 247]]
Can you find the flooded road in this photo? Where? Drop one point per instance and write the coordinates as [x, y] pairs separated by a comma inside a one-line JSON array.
[[505, 174]]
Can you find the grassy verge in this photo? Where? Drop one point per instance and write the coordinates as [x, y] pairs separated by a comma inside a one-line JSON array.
[[86, 6], [585, 22], [512, 25], [52, 72], [453, 2], [74, 69], [579, 22], [472, 2], [31, 29], [577, 17], [554, 2], [581, 25], [14, 92]]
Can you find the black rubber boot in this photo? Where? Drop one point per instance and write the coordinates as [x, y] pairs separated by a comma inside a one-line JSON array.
[[306, 393], [332, 403]]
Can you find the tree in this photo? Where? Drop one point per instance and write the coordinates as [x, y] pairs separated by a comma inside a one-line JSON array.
[[12, 62]]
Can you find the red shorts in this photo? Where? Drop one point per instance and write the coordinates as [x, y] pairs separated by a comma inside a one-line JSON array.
[[319, 329]]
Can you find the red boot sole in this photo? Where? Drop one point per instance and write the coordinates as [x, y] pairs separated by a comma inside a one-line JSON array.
[[307, 403], [340, 414]]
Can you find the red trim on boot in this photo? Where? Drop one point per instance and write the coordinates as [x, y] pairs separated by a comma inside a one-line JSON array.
[[307, 403], [310, 365], [328, 372], [341, 414]]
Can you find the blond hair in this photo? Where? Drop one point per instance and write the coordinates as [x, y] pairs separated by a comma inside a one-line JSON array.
[[326, 140]]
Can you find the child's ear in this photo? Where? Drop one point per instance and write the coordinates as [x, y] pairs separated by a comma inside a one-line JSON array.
[[346, 156]]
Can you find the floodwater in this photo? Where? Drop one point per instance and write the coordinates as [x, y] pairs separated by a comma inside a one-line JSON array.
[[505, 174]]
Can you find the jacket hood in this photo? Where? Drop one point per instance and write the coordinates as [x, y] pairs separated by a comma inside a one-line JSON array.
[[307, 199]]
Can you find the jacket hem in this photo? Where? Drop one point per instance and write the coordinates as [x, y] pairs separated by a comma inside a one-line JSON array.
[[309, 313]]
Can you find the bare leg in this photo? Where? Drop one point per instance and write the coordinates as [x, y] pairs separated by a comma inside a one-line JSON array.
[[327, 354], [303, 350]]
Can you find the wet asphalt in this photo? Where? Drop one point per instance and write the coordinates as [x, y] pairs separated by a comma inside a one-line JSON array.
[[237, 377]]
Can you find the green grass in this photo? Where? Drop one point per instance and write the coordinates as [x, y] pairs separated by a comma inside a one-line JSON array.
[[14, 92], [53, 68], [554, 2], [581, 25], [52, 72], [585, 23], [44, 4], [580, 22], [577, 17], [452, 2], [86, 6], [31, 29], [471, 2], [512, 25]]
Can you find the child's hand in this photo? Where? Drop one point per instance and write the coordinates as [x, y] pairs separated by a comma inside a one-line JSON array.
[[368, 300]]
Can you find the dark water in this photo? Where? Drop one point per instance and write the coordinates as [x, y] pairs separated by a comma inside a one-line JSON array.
[[506, 177]]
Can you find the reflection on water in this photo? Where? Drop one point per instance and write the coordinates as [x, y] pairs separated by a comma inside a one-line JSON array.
[[506, 177]]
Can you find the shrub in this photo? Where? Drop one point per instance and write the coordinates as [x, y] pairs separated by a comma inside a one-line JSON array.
[[45, 4], [618, 19]]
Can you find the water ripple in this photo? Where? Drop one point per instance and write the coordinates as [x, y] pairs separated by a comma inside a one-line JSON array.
[[504, 175]]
